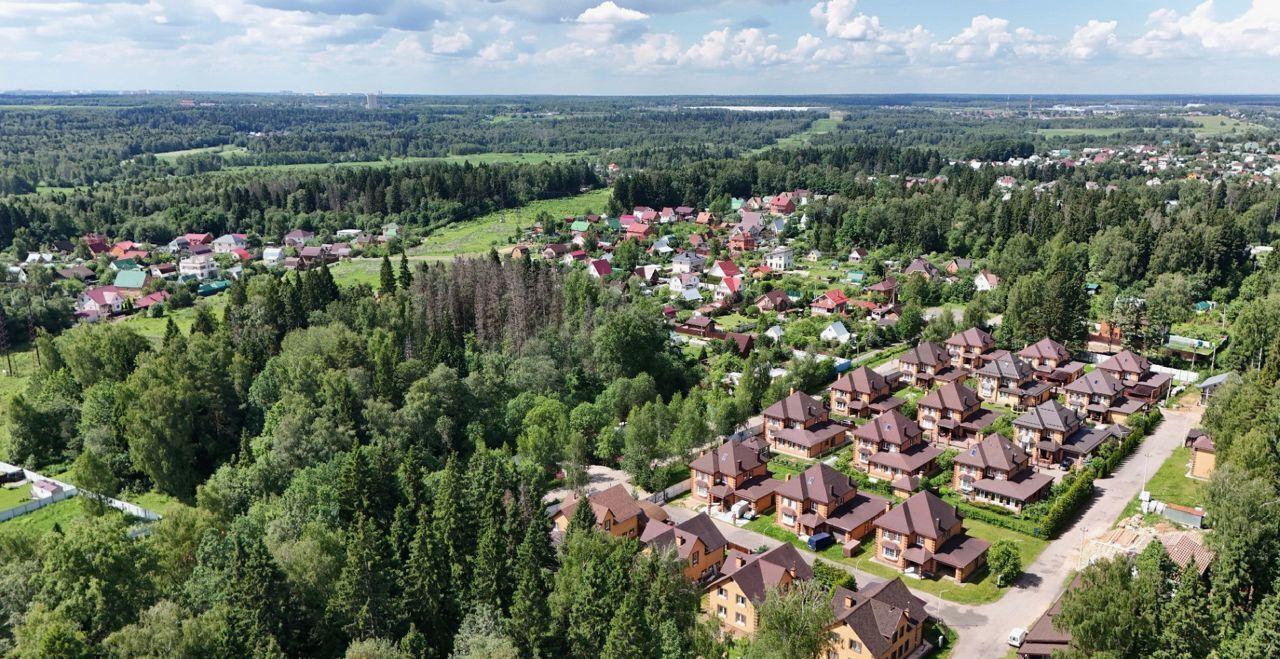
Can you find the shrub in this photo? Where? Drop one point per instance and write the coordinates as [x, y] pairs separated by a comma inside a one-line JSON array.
[[1005, 562]]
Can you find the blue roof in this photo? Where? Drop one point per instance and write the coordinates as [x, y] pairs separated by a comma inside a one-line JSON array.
[[131, 279]]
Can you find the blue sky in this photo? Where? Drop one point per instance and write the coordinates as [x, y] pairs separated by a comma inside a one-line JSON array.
[[644, 46]]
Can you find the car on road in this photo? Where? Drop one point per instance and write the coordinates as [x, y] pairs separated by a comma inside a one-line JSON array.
[[1016, 636]]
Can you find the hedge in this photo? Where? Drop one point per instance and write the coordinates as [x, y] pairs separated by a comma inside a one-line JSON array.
[[995, 518]]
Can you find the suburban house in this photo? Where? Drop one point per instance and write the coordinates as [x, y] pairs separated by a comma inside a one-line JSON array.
[[1052, 363], [616, 511], [996, 471], [830, 303], [727, 289], [99, 302], [891, 446], [774, 300], [201, 266], [742, 242], [781, 258], [823, 500], [1203, 455], [836, 332], [696, 540], [686, 262], [272, 256], [971, 348], [879, 621], [229, 242], [920, 266], [800, 426], [1101, 398], [924, 535], [887, 287], [862, 392], [953, 413], [744, 580], [733, 472], [927, 362], [298, 237], [699, 325], [1052, 433], [132, 280], [1134, 372], [857, 254], [985, 281], [958, 264], [1007, 380], [724, 269]]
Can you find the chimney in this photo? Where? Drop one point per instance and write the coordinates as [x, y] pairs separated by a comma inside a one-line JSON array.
[[741, 561], [739, 465], [792, 571], [793, 391], [848, 602], [680, 540], [888, 505]]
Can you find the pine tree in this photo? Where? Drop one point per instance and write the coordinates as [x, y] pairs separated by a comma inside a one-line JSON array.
[[387, 278], [426, 584], [1260, 636], [171, 333], [414, 644], [583, 518], [628, 634], [1187, 625], [406, 275], [488, 569], [529, 611], [204, 322]]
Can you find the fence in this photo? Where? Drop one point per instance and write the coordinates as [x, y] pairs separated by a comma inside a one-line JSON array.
[[35, 504], [669, 493], [68, 490]]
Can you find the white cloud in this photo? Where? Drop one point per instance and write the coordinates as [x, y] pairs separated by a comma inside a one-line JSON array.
[[1256, 31], [450, 44], [1092, 38], [609, 13], [841, 20]]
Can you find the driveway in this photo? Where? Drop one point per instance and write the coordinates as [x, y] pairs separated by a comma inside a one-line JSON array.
[[984, 628]]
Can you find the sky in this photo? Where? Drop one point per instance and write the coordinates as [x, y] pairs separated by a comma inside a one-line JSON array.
[[651, 47]]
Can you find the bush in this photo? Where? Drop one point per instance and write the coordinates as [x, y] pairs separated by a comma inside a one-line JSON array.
[[1066, 504], [1005, 562]]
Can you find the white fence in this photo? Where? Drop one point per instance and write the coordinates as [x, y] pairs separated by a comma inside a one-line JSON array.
[[35, 504], [669, 493], [68, 491]]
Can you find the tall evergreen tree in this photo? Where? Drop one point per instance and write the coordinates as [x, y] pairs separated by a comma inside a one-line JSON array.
[[529, 612], [387, 277], [406, 275], [362, 601]]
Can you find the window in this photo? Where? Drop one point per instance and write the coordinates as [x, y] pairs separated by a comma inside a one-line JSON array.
[[724, 594], [855, 646], [740, 600], [608, 524], [890, 554], [693, 560], [740, 618], [721, 611]]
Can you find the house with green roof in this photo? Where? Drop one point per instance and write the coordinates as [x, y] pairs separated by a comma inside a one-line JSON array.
[[131, 279], [579, 226], [124, 264]]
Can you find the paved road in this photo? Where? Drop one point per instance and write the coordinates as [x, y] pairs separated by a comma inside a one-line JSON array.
[[983, 629]]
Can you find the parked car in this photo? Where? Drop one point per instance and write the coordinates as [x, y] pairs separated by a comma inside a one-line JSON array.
[[1017, 636], [820, 541]]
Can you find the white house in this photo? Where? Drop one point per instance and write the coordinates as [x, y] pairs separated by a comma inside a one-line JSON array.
[[985, 281], [200, 266], [224, 244], [273, 256], [774, 332], [780, 258], [836, 333], [100, 301], [678, 283], [687, 262]]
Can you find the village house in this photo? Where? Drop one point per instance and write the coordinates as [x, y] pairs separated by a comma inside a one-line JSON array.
[[927, 363], [202, 266], [823, 500], [1204, 457], [780, 258], [886, 288], [599, 269], [43, 489], [953, 413], [229, 242], [782, 204], [554, 251], [985, 280], [1054, 433], [731, 473], [891, 447], [679, 282], [1134, 372], [132, 281], [696, 541], [1007, 380], [147, 301], [745, 579], [1101, 397], [1052, 363], [971, 348], [687, 262], [996, 471], [924, 536], [100, 302], [920, 266], [742, 242], [774, 300], [799, 426], [861, 393], [699, 325], [831, 303], [878, 621], [723, 269], [957, 265], [298, 237], [273, 256], [836, 332], [616, 511], [727, 289]]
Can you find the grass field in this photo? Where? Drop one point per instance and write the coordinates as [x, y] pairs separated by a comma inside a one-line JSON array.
[[818, 127], [225, 150], [492, 230], [12, 497], [1217, 124], [61, 513], [475, 159], [153, 328], [1171, 485]]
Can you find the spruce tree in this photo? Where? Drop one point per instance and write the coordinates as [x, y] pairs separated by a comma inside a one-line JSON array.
[[406, 275], [529, 612], [1187, 629], [628, 634], [583, 518], [361, 602], [387, 278]]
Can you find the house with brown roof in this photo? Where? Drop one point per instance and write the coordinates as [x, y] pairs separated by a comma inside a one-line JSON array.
[[861, 393], [1007, 380], [881, 620], [996, 471], [922, 267], [733, 472], [615, 509], [887, 288], [745, 579], [1134, 372], [699, 325], [891, 447], [1052, 433], [774, 300], [1100, 397], [1204, 457], [924, 535], [800, 425], [696, 541], [1052, 363], [953, 413], [823, 500], [928, 363], [971, 348]]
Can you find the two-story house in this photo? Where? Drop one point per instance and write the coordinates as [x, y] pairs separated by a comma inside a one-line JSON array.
[[831, 303], [953, 413], [735, 471], [924, 535], [1007, 380], [879, 621], [1052, 363], [971, 348], [891, 447], [1054, 433], [697, 542], [1134, 372], [997, 471], [616, 511], [781, 258], [734, 597], [800, 425], [823, 500], [926, 364], [1100, 397], [861, 393]]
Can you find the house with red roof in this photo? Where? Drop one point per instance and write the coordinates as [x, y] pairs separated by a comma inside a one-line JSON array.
[[831, 303], [599, 268], [724, 269]]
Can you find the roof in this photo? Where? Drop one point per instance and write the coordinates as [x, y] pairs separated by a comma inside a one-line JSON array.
[[993, 452], [861, 380], [820, 483], [130, 279], [614, 500], [921, 266], [1216, 381], [971, 338], [892, 427], [1186, 549], [811, 436], [1045, 348], [730, 458], [684, 535], [1049, 415], [729, 268], [874, 613], [950, 396], [910, 461], [832, 298], [1126, 362], [1096, 382], [1204, 444], [759, 572], [922, 514], [884, 285], [1006, 366], [1022, 486], [799, 406], [925, 354], [961, 551]]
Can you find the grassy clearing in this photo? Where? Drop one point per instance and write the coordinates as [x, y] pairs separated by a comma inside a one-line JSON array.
[[935, 629], [493, 230], [153, 328], [818, 127], [1217, 125], [12, 497], [1170, 484], [224, 150], [61, 514], [475, 159]]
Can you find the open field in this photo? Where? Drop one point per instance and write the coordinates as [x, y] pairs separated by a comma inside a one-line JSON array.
[[475, 159], [492, 230], [1217, 125], [153, 328], [224, 150], [61, 514], [1171, 485], [819, 127]]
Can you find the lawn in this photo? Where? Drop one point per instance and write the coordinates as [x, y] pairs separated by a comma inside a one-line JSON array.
[[493, 230], [61, 513], [224, 150], [935, 629], [154, 328], [732, 321], [979, 592], [818, 127], [12, 497], [12, 384], [1171, 485], [781, 471], [1218, 125]]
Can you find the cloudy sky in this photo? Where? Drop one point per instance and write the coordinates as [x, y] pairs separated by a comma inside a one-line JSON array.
[[644, 46]]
